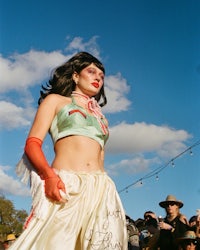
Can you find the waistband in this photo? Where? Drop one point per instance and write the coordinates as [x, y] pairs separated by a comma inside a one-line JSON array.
[[95, 172]]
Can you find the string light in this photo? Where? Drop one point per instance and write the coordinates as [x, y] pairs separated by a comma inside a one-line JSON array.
[[161, 168]]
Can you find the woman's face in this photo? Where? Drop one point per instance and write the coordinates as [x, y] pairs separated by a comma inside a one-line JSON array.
[[89, 81], [172, 208], [189, 245]]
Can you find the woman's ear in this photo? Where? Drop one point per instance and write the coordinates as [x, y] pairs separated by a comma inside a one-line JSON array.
[[75, 77]]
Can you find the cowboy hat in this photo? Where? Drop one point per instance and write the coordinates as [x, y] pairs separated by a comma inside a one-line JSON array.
[[188, 235], [10, 237], [171, 198]]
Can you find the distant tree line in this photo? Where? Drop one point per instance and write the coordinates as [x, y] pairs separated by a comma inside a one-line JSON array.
[[11, 220]]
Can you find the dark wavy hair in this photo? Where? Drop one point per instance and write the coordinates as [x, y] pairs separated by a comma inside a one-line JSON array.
[[61, 81]]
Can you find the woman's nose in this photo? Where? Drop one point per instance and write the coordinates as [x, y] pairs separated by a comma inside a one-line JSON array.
[[97, 78]]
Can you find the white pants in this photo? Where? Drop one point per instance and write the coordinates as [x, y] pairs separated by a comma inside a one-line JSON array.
[[92, 219]]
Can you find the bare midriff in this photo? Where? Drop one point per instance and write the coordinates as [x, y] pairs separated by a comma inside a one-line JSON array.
[[78, 153]]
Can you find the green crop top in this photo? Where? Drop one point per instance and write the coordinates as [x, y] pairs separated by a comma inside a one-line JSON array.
[[72, 119]]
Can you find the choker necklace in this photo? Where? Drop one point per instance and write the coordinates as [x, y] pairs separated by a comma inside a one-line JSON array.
[[93, 106]]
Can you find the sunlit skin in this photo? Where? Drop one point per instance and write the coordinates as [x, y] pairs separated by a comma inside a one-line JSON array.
[[76, 153]]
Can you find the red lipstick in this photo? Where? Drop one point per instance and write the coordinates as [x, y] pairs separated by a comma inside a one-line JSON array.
[[95, 84]]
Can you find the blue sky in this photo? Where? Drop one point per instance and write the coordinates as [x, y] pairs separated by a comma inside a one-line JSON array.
[[151, 52]]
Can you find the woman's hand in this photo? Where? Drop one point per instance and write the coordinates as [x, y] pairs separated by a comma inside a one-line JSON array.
[[53, 186], [165, 226]]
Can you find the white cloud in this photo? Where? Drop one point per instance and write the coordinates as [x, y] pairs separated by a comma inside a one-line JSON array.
[[91, 46], [8, 185], [116, 88], [13, 116], [21, 71], [135, 165], [143, 138], [143, 146]]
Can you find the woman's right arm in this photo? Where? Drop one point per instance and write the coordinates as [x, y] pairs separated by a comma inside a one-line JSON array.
[[33, 147], [44, 116]]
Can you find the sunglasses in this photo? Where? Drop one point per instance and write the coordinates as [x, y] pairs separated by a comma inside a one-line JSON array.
[[189, 242], [170, 203]]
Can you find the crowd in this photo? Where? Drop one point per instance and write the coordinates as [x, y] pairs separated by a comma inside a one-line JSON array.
[[173, 232]]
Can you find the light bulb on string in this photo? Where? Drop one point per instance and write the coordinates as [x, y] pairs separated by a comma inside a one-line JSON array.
[[171, 162]]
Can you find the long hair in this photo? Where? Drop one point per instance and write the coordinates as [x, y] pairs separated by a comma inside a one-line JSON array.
[[62, 83]]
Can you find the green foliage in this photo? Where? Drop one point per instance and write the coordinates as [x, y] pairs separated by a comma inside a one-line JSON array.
[[11, 220]]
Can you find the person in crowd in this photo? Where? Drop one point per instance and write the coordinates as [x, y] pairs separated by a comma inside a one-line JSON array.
[[150, 233], [192, 221], [133, 234], [188, 241], [143, 232], [198, 224], [10, 239], [174, 224], [148, 215], [153, 233], [75, 203]]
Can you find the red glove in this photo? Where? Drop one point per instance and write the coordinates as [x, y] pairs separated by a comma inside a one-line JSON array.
[[53, 183]]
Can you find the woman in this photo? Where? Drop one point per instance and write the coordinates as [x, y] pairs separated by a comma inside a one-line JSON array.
[[174, 224], [188, 241], [75, 203]]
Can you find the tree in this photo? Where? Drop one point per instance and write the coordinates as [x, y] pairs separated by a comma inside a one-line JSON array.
[[11, 220]]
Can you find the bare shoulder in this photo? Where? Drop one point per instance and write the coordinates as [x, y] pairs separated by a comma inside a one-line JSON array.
[[53, 98], [56, 100], [45, 115], [183, 219]]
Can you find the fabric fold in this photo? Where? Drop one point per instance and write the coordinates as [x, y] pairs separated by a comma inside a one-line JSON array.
[[27, 174], [87, 221]]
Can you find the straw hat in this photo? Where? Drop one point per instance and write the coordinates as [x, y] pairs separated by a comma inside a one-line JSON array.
[[171, 198], [10, 237], [188, 235]]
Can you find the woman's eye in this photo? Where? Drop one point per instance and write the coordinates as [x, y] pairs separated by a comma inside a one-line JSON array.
[[102, 77], [91, 71]]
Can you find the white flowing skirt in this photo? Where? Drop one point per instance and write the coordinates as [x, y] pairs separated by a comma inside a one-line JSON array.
[[92, 219]]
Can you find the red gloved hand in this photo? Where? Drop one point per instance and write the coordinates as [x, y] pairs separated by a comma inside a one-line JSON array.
[[53, 183], [52, 187]]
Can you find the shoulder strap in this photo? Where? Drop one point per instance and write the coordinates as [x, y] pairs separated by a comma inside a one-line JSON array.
[[73, 100]]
